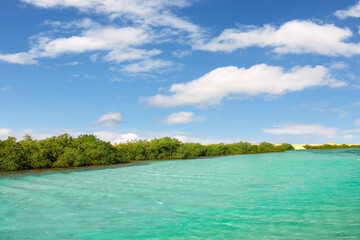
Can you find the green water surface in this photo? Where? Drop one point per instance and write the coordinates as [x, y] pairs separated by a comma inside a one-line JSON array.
[[292, 195]]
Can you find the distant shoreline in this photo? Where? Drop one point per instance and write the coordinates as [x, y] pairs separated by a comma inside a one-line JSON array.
[[301, 146]]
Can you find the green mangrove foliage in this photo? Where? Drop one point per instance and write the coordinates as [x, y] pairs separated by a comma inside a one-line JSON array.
[[66, 151], [171, 148], [331, 146], [61, 151]]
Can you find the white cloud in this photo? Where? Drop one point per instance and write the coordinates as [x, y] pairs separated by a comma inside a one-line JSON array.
[[182, 118], [307, 130], [117, 79], [136, 7], [5, 132], [292, 37], [101, 38], [121, 55], [181, 53], [110, 119], [339, 65], [353, 11], [259, 79], [118, 42], [115, 137], [357, 122], [155, 12], [149, 21], [18, 58], [83, 23], [94, 57], [104, 38], [187, 139], [148, 65], [281, 139], [73, 63], [302, 129]]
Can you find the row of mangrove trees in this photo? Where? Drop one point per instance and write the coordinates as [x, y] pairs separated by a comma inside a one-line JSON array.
[[85, 150], [331, 146]]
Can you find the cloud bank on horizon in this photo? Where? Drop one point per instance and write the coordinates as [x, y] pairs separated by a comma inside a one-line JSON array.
[[171, 63]]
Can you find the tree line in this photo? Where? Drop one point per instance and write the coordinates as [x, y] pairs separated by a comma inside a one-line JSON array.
[[85, 150], [331, 146]]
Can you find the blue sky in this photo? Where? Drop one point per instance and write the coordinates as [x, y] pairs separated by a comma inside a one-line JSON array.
[[203, 71]]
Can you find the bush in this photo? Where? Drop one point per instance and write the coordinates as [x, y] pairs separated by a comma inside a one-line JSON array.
[[190, 150], [265, 147], [330, 146], [244, 148], [60, 151], [285, 147], [71, 157], [135, 150], [11, 155], [163, 148]]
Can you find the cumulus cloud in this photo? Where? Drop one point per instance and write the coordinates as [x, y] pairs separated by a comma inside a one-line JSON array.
[[182, 118], [18, 58], [106, 38], [119, 43], [259, 79], [136, 7], [115, 137], [110, 119], [147, 13], [295, 36], [353, 11]]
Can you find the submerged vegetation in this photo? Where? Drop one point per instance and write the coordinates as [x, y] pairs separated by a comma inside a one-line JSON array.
[[331, 146], [85, 150]]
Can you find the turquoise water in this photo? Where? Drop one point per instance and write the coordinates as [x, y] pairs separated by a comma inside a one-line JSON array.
[[293, 195]]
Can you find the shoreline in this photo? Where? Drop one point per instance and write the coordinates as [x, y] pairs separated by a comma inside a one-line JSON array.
[[135, 162], [301, 146], [98, 167]]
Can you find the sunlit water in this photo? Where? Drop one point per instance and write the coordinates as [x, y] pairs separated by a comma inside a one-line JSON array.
[[293, 195]]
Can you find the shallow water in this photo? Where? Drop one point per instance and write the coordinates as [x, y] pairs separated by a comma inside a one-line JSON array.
[[292, 195]]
